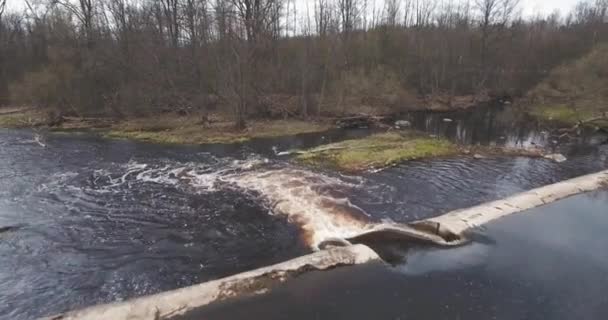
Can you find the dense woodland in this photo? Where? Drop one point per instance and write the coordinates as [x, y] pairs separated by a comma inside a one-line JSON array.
[[268, 57]]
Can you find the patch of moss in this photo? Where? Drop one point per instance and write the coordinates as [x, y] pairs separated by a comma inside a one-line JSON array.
[[379, 150]]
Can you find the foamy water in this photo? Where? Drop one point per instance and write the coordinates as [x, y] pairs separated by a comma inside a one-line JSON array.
[[312, 201], [318, 204]]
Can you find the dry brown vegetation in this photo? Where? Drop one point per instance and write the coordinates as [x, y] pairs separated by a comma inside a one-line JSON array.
[[263, 59], [574, 92], [186, 130]]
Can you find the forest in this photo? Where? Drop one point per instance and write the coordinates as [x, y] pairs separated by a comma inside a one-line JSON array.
[[281, 58]]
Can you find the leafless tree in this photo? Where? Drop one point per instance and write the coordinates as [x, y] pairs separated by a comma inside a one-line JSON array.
[[391, 11], [322, 16], [153, 55], [350, 11], [84, 10], [2, 7], [423, 12]]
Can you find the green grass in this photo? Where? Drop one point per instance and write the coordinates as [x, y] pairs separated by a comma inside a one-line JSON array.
[[379, 150]]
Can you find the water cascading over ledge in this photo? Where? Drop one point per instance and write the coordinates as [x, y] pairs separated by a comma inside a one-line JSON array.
[[443, 230]]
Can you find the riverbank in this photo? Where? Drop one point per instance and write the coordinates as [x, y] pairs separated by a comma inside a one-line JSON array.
[[186, 130], [575, 93], [165, 128], [366, 152]]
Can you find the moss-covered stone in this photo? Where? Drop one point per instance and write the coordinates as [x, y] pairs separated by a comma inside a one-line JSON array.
[[379, 150]]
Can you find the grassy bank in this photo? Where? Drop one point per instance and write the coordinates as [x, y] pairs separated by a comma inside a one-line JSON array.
[[573, 92], [188, 130], [20, 118], [379, 150], [166, 128]]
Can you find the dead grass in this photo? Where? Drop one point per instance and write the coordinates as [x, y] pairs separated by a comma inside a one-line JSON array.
[[188, 130], [573, 92], [21, 118], [166, 128]]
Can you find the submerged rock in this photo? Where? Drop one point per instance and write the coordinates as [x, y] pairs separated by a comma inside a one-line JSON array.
[[5, 229], [557, 157], [478, 156]]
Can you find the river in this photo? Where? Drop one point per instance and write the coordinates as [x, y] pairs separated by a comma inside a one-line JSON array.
[[89, 220]]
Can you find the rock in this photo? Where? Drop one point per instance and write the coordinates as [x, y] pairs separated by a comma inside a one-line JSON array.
[[447, 120], [466, 151], [557, 157], [334, 242], [478, 156], [402, 124]]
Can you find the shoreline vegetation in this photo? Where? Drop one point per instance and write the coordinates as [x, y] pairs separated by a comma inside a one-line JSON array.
[[382, 150], [165, 129], [575, 93], [373, 152], [261, 60], [190, 131], [376, 151]]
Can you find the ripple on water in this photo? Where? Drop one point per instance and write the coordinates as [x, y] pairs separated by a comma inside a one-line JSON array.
[[106, 220]]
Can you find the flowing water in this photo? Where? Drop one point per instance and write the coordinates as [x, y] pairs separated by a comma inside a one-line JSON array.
[[88, 220]]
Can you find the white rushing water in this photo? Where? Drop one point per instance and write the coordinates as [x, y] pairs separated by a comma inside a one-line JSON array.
[[312, 201]]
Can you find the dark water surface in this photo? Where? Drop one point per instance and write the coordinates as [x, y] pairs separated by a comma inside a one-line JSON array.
[[88, 220], [550, 263]]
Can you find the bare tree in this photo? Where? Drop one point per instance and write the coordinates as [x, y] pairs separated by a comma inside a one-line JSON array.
[[2, 7], [171, 14], [492, 13], [151, 55], [350, 12], [255, 15], [423, 12], [391, 11], [84, 10], [322, 16]]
